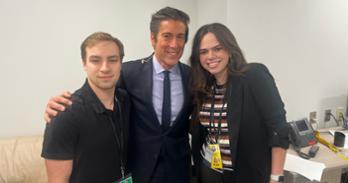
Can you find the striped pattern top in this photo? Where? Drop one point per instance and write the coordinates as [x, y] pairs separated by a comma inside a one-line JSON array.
[[220, 109]]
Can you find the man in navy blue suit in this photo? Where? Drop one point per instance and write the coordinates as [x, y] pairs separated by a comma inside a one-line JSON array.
[[159, 149]]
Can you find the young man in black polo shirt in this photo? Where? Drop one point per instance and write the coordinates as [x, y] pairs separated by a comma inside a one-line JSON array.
[[88, 141]]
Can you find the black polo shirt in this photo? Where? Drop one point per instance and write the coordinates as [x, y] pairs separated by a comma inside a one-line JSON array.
[[84, 133]]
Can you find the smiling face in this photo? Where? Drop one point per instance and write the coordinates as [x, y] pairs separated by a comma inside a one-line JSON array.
[[102, 65], [213, 57], [169, 42]]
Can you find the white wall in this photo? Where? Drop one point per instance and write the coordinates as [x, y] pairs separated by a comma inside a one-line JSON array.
[[40, 54], [303, 42], [211, 11]]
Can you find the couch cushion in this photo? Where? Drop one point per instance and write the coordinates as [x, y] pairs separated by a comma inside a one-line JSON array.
[[20, 160]]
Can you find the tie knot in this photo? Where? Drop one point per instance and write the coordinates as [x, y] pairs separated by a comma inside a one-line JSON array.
[[166, 73]]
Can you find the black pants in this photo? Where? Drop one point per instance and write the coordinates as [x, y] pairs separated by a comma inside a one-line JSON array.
[[208, 175]]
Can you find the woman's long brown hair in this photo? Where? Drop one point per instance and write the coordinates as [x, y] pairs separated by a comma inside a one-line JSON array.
[[202, 80]]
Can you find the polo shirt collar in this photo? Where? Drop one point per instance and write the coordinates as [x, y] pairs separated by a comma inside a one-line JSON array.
[[93, 99]]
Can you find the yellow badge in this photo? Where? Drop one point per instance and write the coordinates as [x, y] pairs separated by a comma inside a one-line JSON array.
[[216, 161]]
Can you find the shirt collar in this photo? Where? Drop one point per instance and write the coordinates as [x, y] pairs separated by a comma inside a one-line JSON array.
[[159, 69], [93, 99]]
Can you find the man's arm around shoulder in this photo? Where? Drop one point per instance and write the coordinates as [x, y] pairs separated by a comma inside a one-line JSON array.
[[58, 171]]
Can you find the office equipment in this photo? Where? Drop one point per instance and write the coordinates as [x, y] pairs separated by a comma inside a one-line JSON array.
[[313, 151], [331, 165], [339, 139], [301, 133]]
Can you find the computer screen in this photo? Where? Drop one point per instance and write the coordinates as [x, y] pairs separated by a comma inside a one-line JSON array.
[[301, 125]]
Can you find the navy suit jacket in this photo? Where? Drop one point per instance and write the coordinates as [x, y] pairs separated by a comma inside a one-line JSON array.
[[147, 140]]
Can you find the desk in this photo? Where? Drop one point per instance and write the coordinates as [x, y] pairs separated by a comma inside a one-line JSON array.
[[334, 165]]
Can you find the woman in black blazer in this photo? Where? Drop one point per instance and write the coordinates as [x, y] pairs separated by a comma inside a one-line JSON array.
[[239, 129]]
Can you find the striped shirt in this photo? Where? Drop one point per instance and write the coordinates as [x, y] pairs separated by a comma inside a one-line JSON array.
[[219, 113]]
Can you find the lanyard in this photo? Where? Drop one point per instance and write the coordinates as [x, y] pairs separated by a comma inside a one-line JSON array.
[[212, 127], [119, 137]]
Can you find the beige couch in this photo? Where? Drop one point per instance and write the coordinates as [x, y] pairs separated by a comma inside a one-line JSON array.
[[20, 160]]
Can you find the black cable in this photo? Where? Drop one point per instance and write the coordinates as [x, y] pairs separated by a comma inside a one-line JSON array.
[[335, 119], [345, 122], [301, 154], [298, 149]]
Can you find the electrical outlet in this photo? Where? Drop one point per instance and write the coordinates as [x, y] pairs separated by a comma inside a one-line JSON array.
[[339, 114], [327, 115], [313, 117], [313, 120]]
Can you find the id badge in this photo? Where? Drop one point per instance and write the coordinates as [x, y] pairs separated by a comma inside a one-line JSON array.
[[216, 161], [126, 179]]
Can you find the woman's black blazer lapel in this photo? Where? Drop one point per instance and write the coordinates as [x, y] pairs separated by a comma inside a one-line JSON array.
[[235, 109]]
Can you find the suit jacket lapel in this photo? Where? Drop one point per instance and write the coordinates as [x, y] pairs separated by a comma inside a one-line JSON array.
[[146, 81], [146, 84], [234, 108]]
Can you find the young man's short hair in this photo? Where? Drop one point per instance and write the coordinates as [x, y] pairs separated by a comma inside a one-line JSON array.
[[98, 37]]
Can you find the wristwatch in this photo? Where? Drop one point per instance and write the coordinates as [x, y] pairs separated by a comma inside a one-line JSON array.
[[279, 178]]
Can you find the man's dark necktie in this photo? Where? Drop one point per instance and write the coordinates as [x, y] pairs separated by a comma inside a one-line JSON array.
[[166, 106]]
